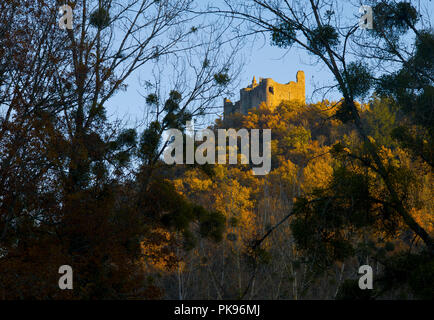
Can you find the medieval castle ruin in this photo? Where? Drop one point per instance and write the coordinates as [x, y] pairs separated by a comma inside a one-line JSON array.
[[268, 91]]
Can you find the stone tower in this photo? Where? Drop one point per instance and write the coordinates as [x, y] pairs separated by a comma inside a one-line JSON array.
[[268, 91]]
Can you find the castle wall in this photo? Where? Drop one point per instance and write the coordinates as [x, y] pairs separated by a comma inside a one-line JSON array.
[[229, 107], [268, 91]]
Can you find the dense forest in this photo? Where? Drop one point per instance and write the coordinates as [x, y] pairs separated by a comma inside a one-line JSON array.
[[351, 181]]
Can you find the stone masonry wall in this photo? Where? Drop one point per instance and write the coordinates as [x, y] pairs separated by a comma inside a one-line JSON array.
[[268, 91]]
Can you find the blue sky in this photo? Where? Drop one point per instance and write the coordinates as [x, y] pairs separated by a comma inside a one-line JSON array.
[[261, 60], [266, 62]]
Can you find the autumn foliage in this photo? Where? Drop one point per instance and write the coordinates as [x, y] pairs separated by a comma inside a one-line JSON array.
[[81, 189]]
